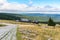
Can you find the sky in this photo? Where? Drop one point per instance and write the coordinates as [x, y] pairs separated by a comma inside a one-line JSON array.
[[29, 6]]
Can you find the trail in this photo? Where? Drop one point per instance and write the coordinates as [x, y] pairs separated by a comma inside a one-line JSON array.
[[8, 32]]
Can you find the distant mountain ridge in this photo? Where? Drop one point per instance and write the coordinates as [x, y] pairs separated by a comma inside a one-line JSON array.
[[31, 16], [9, 16], [55, 17], [40, 14]]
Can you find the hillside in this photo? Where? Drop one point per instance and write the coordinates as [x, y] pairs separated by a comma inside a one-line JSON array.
[[44, 17], [33, 16], [9, 16]]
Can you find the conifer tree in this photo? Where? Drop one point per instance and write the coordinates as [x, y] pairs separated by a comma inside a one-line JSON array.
[[51, 22]]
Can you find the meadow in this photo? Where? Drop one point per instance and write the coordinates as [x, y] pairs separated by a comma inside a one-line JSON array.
[[31, 31]]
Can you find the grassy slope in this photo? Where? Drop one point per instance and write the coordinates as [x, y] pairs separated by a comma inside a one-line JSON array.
[[10, 16], [2, 25], [43, 33]]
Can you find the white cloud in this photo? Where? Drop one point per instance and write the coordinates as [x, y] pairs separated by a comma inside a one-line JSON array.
[[3, 1], [14, 6], [5, 6], [49, 9]]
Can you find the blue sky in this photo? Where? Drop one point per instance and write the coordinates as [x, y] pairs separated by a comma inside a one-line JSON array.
[[37, 2], [30, 5]]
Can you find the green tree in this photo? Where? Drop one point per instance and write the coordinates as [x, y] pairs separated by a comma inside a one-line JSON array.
[[51, 22]]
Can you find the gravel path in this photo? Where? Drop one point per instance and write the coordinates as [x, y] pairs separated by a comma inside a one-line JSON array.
[[8, 32]]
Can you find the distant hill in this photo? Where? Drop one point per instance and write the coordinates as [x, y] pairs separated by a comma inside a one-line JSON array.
[[9, 16], [31, 16], [44, 17]]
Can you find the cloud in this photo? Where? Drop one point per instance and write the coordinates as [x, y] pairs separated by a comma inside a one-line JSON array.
[[3, 1], [5, 6], [49, 8], [14, 6]]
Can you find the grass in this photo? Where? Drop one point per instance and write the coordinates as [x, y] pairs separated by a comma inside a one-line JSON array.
[[18, 35], [43, 33], [1, 25]]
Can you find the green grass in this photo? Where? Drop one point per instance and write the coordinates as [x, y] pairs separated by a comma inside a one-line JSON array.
[[18, 35], [42, 32], [1, 25]]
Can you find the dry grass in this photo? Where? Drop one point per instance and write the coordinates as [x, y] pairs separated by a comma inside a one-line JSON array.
[[43, 32], [2, 25]]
